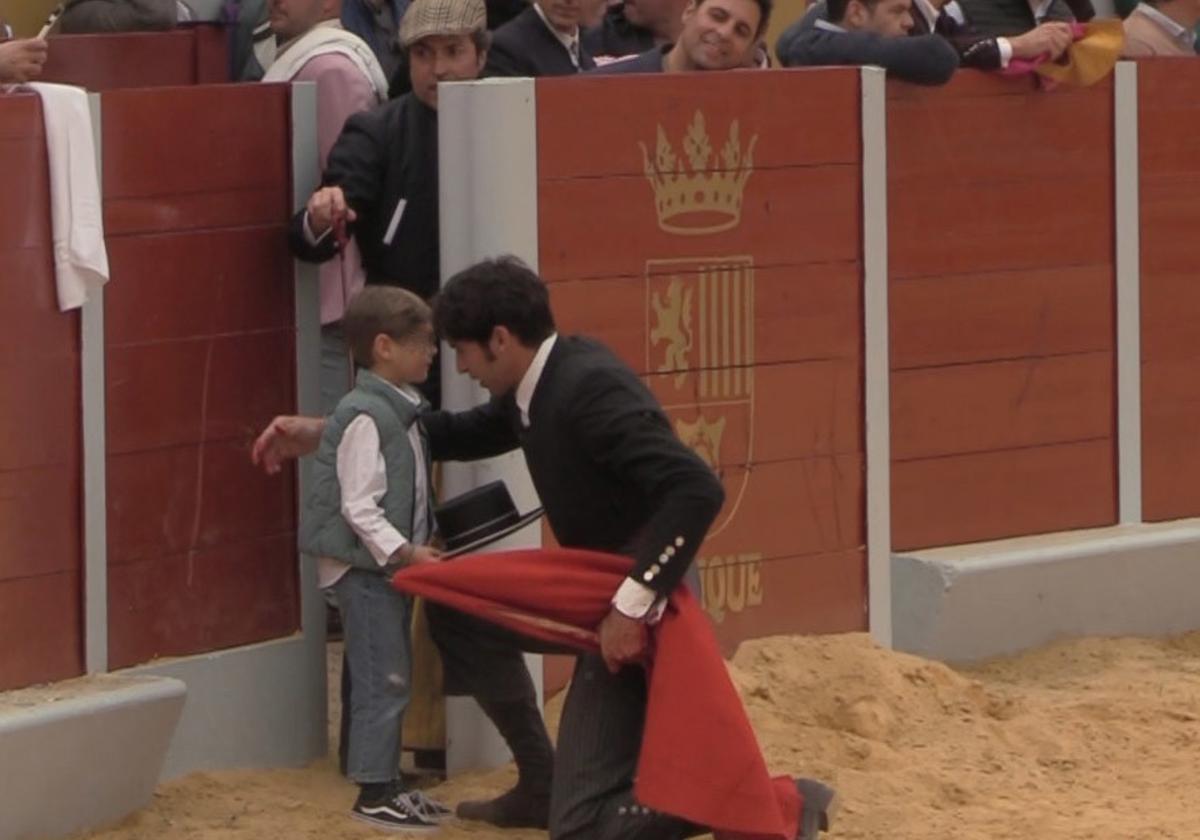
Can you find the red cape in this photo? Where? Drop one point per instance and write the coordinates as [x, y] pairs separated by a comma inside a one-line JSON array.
[[700, 759]]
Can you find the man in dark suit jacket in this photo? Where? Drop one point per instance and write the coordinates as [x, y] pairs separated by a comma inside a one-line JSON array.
[[874, 32], [634, 26], [982, 52], [544, 40], [612, 476]]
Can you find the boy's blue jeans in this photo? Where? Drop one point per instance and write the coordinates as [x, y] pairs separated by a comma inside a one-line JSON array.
[[376, 621]]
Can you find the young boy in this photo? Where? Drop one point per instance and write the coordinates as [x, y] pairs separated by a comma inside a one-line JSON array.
[[368, 513]]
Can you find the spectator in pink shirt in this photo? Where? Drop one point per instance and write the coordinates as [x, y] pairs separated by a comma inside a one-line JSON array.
[[312, 46]]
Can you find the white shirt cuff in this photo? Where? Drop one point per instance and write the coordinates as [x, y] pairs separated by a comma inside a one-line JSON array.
[[1005, 51], [636, 600], [310, 237]]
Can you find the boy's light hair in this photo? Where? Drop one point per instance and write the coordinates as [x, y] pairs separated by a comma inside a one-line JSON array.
[[389, 310]]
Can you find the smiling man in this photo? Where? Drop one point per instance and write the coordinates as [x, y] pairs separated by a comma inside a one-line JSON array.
[[716, 35], [544, 40]]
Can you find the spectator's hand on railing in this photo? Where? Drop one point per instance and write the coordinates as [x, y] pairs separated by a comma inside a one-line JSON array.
[[22, 59], [326, 208], [1047, 39], [286, 438]]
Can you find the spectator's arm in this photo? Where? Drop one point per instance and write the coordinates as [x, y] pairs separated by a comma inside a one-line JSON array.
[[500, 12], [922, 59], [502, 62], [356, 164], [22, 60], [307, 246], [119, 16], [784, 43], [481, 432]]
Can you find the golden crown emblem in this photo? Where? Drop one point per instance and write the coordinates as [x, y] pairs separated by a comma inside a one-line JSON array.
[[703, 194]]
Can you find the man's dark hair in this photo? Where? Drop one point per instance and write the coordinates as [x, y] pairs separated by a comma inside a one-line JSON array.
[[764, 14], [502, 292], [389, 310], [836, 9]]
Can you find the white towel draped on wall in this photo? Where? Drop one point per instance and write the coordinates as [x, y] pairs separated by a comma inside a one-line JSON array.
[[76, 215]]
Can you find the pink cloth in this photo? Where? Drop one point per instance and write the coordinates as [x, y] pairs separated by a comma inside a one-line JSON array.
[[342, 90]]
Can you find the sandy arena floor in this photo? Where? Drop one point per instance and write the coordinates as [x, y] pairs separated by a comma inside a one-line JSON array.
[[1089, 739]]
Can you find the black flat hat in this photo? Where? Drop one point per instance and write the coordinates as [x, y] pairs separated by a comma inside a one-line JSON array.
[[479, 518]]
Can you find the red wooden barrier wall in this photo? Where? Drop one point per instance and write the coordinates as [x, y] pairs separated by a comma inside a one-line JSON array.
[[765, 379], [1001, 296], [200, 355], [1169, 101], [41, 460], [194, 55]]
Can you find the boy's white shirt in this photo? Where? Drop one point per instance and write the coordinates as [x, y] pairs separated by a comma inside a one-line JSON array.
[[362, 477]]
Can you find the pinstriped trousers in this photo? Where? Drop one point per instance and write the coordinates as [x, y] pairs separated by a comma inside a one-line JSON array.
[[598, 739]]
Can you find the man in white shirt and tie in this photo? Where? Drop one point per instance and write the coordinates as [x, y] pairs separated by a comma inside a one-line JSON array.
[[544, 40]]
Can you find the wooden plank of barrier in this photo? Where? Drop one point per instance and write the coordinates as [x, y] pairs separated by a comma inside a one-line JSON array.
[[1001, 209], [1005, 315], [204, 601], [991, 177], [747, 596], [1170, 179], [41, 541], [780, 109], [113, 61], [958, 498], [799, 313], [1001, 405], [780, 224], [799, 410], [200, 350], [206, 157]]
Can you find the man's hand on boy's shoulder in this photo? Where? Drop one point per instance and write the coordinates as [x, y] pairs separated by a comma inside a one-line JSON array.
[[287, 437]]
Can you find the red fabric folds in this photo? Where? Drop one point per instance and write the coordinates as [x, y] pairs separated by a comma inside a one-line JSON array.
[[700, 759]]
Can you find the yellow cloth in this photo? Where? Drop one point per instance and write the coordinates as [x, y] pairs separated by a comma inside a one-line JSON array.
[[425, 718], [1090, 58]]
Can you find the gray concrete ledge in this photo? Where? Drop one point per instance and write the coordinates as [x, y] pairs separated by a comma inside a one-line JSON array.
[[262, 705], [971, 602], [99, 740]]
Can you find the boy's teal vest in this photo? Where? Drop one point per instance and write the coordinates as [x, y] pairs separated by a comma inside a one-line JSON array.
[[323, 530]]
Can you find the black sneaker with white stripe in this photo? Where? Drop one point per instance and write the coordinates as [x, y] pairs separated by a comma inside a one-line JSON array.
[[428, 807], [392, 812]]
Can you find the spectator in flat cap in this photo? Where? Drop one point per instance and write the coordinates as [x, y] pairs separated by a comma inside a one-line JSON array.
[[875, 32], [380, 183], [715, 35], [544, 40]]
